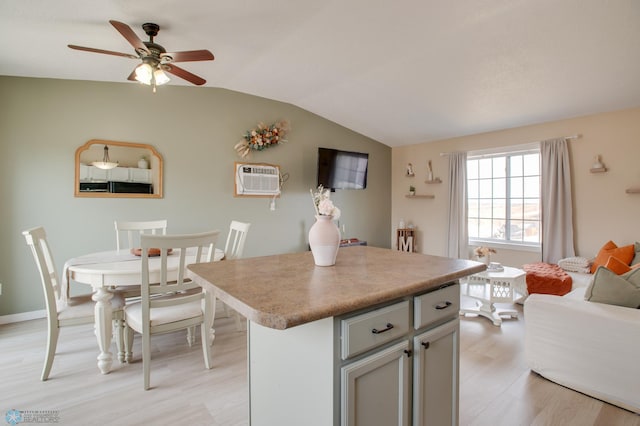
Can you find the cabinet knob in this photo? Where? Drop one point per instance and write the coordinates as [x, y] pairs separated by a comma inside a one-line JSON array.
[[425, 344], [408, 352], [376, 331]]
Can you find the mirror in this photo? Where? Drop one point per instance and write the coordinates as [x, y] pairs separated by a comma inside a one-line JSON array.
[[138, 173]]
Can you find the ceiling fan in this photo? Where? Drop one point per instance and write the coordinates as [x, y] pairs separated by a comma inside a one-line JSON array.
[[155, 59]]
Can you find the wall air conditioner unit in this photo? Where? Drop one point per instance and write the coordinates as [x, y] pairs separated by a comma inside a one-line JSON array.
[[256, 180]]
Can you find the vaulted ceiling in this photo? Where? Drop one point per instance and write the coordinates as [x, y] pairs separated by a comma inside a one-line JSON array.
[[401, 72]]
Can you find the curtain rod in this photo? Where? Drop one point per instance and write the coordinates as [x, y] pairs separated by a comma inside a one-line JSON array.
[[576, 136]]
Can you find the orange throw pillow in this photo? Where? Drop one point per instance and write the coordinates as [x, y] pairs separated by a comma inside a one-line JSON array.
[[617, 266], [624, 254]]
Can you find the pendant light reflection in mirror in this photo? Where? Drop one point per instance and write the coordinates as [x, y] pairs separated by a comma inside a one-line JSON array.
[[106, 163]]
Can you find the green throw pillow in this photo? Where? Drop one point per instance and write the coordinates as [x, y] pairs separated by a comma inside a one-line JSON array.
[[636, 259], [610, 288]]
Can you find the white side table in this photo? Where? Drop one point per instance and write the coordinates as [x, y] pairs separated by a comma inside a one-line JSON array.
[[501, 287]]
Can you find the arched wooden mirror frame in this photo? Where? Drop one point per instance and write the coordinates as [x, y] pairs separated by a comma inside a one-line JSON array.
[[127, 154]]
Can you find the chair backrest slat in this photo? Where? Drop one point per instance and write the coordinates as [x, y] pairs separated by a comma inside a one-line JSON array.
[[135, 229], [234, 246]]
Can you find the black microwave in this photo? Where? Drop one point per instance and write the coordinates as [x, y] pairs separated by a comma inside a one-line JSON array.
[[131, 187], [94, 186]]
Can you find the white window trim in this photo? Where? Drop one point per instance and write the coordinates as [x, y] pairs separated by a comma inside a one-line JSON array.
[[533, 248], [533, 147]]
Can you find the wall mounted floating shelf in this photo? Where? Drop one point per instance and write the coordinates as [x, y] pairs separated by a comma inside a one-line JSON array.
[[598, 170], [633, 191], [420, 196], [436, 180]]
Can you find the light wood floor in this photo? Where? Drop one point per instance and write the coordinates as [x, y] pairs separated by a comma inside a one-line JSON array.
[[496, 386]]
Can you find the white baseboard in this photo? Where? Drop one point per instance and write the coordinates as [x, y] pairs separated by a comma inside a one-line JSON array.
[[24, 316]]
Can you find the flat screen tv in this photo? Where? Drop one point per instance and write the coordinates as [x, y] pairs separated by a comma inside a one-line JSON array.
[[342, 169]]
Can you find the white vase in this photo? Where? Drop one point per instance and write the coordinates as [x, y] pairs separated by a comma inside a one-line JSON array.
[[324, 240], [143, 163], [597, 164]]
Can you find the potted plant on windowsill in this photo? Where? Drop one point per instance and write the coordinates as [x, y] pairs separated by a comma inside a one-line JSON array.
[[412, 190]]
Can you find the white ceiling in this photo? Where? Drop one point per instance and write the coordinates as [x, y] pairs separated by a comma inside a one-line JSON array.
[[399, 71]]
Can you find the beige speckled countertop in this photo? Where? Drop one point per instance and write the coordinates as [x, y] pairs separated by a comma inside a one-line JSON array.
[[282, 291]]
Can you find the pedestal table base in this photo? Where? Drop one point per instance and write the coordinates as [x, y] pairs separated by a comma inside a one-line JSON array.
[[491, 287]]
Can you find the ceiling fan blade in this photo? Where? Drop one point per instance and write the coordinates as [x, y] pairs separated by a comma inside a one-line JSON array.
[[106, 52], [184, 74], [189, 56], [131, 37]]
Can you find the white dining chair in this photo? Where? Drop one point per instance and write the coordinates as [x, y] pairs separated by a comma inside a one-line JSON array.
[[233, 249], [133, 230], [63, 310], [168, 306]]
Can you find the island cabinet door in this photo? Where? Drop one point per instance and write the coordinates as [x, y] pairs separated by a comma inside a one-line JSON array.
[[376, 390], [436, 376]]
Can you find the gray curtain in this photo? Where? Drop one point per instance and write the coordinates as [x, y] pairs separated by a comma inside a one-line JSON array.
[[556, 200], [458, 242]]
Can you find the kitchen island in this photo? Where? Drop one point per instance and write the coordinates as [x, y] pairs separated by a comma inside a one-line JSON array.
[[322, 340]]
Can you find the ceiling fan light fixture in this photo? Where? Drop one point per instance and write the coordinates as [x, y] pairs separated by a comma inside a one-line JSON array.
[[144, 73], [161, 77], [106, 163]]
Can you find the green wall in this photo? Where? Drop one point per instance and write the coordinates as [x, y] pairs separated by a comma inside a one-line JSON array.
[[43, 121]]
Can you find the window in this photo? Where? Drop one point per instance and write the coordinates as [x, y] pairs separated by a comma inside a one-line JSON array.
[[504, 198]]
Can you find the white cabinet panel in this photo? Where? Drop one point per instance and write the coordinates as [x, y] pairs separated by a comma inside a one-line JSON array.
[[84, 172], [435, 376], [376, 390], [119, 174], [97, 174], [291, 375], [140, 175]]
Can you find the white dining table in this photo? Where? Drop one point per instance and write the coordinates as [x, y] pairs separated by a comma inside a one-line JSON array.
[[108, 269]]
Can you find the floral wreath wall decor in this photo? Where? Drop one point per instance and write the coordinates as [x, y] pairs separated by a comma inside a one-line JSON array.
[[262, 137]]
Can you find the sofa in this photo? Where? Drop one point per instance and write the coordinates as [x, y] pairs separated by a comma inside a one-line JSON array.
[[591, 347]]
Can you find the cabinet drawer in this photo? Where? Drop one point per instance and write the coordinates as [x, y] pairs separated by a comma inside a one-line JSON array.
[[435, 306], [371, 329]]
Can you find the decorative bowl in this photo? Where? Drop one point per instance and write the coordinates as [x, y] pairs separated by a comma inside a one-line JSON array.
[[152, 252]]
